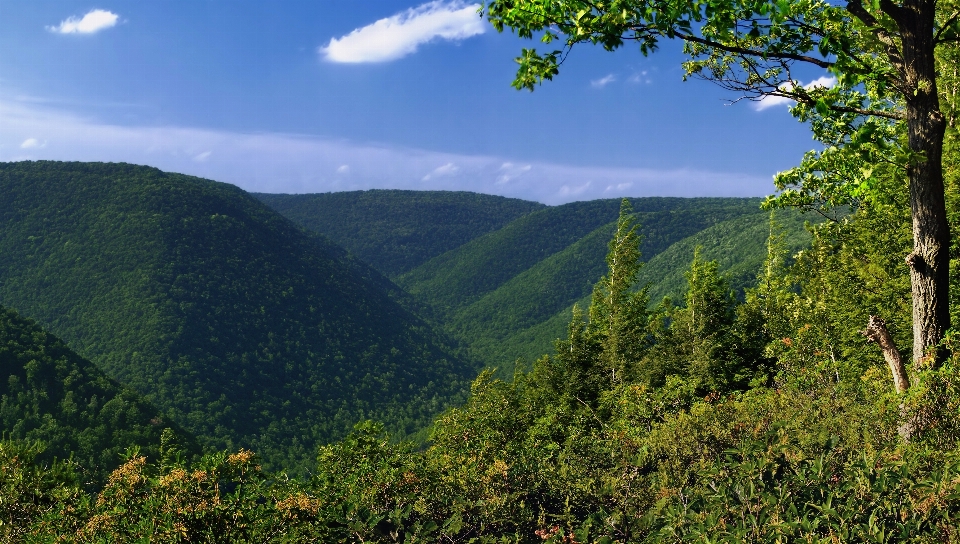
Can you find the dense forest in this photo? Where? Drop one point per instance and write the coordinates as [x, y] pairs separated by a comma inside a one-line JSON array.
[[51, 395], [506, 294], [235, 323], [708, 417], [397, 231]]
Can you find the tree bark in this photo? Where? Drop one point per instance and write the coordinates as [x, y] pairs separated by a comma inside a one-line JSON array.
[[930, 260], [876, 331]]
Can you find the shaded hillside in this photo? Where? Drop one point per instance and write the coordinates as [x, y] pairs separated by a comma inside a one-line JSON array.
[[463, 276], [51, 394], [241, 326], [396, 231], [738, 245], [503, 286]]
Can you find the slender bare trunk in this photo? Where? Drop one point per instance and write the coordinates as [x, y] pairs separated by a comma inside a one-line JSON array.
[[876, 331]]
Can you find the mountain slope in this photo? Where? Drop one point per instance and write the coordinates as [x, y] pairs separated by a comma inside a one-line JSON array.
[[459, 278], [51, 394], [505, 284], [396, 231], [240, 325], [737, 244]]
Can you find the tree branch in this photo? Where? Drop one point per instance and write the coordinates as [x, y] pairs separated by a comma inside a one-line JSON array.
[[855, 7], [754, 53]]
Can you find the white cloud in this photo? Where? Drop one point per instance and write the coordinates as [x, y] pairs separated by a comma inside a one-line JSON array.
[[202, 157], [640, 77], [400, 35], [448, 169], [773, 101], [509, 172], [94, 21], [603, 81], [571, 192], [288, 163], [620, 187], [343, 169], [32, 143]]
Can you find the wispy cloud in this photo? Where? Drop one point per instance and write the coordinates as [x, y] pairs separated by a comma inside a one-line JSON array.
[[448, 169], [94, 21], [343, 169], [288, 163], [509, 172], [400, 35], [773, 101], [603, 81], [33, 143], [640, 77]]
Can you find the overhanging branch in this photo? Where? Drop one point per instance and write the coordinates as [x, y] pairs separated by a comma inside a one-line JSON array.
[[754, 53]]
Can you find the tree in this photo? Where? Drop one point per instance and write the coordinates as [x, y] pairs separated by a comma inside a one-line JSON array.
[[882, 54], [618, 314]]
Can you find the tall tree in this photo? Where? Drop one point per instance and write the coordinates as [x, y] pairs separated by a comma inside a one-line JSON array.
[[881, 55], [618, 314]]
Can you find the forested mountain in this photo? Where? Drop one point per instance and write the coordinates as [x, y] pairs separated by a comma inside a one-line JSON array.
[[505, 288], [235, 322], [50, 394], [761, 419], [396, 231], [508, 294], [739, 245]]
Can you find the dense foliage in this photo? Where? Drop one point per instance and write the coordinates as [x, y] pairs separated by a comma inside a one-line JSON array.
[[463, 276], [51, 395], [714, 419], [397, 231], [237, 324], [507, 294]]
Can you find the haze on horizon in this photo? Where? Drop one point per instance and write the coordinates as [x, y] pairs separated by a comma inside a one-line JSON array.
[[307, 97]]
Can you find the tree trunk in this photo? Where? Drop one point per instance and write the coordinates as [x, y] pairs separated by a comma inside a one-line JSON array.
[[930, 260], [876, 331]]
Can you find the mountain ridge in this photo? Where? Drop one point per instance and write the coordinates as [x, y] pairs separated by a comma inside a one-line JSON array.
[[237, 323]]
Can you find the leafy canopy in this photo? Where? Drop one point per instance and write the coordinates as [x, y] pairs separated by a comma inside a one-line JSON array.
[[755, 48]]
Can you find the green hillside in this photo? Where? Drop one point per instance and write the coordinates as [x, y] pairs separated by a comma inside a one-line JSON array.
[[738, 245], [396, 231], [238, 324], [50, 394], [496, 292], [462, 276]]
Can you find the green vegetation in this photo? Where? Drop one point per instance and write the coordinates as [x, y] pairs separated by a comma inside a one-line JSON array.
[[460, 277], [505, 294], [51, 395], [890, 101], [501, 314], [738, 245], [397, 231], [762, 419], [708, 417], [235, 323]]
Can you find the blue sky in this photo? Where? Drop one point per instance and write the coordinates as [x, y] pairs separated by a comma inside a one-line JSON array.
[[326, 95]]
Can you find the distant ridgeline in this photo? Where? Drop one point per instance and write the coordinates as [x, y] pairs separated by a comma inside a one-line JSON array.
[[396, 231], [246, 329], [506, 291], [50, 394]]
